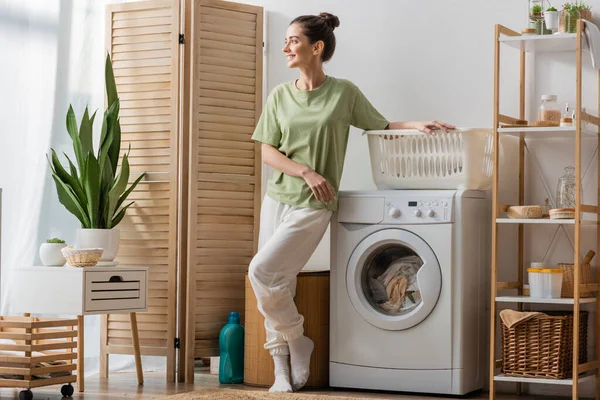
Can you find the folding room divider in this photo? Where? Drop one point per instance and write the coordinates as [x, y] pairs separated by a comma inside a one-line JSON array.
[[189, 79]]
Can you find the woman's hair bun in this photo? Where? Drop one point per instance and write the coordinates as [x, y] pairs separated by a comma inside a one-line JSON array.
[[330, 19]]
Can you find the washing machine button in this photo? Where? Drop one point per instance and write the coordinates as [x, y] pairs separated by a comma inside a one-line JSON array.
[[430, 213], [418, 213], [394, 212]]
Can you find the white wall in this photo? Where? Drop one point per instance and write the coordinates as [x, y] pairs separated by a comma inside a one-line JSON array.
[[434, 60]]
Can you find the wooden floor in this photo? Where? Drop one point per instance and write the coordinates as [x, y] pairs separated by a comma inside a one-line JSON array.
[[124, 386]]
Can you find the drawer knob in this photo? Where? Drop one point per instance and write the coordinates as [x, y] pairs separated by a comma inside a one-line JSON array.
[[116, 278]]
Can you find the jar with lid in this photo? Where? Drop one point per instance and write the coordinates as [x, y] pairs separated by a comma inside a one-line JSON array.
[[549, 111], [565, 191], [571, 16], [536, 15]]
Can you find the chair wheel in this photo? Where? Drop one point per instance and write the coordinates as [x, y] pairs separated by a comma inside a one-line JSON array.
[[25, 395], [67, 390]]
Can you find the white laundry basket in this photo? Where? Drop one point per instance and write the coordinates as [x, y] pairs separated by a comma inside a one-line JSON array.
[[409, 159]]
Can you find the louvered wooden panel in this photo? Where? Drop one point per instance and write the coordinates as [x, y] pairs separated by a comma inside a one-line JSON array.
[[224, 189], [143, 40]]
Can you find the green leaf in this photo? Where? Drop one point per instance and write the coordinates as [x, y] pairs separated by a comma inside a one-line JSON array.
[[115, 146], [85, 133], [128, 191], [107, 183], [110, 120], [68, 199], [73, 169], [91, 186], [111, 87], [72, 129], [120, 215], [64, 176], [118, 188]]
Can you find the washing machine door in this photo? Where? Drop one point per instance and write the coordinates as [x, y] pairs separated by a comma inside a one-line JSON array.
[[393, 279]]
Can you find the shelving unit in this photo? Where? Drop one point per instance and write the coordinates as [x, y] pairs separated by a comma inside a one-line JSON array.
[[534, 44]]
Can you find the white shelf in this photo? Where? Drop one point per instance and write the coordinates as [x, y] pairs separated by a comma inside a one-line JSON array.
[[535, 221], [566, 382], [548, 132], [537, 300], [542, 43]]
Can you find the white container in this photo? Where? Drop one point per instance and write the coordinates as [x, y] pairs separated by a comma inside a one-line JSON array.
[[410, 159], [106, 239], [545, 283], [51, 255]]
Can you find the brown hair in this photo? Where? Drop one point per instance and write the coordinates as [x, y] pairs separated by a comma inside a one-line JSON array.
[[320, 27]]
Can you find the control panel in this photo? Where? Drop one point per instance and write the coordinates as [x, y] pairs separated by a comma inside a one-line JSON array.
[[418, 210]]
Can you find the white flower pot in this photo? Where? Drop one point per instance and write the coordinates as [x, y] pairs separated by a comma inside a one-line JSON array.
[[551, 18], [51, 255], [107, 239]]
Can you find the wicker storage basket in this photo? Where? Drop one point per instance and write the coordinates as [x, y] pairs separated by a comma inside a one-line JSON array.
[[542, 347], [585, 14], [585, 276]]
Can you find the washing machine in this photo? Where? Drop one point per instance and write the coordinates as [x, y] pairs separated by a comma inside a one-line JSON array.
[[408, 291]]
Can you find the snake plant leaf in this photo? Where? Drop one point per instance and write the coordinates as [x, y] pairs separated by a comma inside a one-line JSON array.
[[110, 120], [108, 177], [85, 133], [119, 187], [91, 185], [109, 76], [120, 215], [74, 172], [64, 176], [115, 146], [68, 199], [128, 191], [72, 129]]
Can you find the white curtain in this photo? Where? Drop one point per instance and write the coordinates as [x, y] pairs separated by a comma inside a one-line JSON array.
[[53, 54]]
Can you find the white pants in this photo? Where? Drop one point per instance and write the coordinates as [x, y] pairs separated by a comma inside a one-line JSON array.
[[288, 237]]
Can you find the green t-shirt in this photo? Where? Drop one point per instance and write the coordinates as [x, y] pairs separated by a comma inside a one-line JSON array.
[[311, 128]]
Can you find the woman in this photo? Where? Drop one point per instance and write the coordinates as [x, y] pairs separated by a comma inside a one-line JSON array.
[[304, 132]]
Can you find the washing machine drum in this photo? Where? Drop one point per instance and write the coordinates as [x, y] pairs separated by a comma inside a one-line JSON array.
[[393, 279]]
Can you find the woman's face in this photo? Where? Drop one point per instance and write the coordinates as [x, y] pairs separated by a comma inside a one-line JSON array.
[[299, 52]]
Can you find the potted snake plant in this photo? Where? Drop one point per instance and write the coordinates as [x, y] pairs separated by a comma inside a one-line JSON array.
[[96, 189]]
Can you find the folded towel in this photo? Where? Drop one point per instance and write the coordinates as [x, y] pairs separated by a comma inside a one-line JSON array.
[[592, 42], [512, 318]]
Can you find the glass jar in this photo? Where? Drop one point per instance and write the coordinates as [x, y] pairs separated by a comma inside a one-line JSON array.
[[549, 110], [565, 192], [536, 15], [571, 17]]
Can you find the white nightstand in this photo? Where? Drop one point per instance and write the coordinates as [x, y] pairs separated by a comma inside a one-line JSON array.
[[83, 291]]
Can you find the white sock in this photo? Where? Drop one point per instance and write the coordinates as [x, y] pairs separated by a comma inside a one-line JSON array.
[[300, 352], [282, 374]]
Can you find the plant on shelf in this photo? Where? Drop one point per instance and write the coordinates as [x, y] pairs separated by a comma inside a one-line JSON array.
[[580, 5], [50, 252], [551, 9], [571, 12], [96, 190], [551, 18], [55, 240]]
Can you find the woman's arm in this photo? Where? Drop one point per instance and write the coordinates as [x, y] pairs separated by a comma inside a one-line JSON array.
[[322, 190], [423, 126]]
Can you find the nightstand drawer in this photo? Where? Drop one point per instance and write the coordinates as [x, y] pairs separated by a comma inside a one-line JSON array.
[[120, 290]]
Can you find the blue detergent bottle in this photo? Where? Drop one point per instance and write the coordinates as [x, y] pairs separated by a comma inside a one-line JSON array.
[[231, 346]]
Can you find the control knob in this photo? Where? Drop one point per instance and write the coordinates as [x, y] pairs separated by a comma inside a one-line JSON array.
[[430, 213], [418, 213], [394, 212]]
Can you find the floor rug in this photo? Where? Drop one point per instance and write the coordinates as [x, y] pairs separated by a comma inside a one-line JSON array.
[[231, 394]]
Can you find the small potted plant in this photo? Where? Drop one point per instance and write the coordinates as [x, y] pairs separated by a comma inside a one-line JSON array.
[[551, 18], [570, 13], [50, 252]]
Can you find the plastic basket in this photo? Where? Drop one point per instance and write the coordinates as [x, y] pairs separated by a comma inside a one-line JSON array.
[[409, 159]]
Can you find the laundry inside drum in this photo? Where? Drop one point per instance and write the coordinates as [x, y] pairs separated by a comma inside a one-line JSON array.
[[389, 279]]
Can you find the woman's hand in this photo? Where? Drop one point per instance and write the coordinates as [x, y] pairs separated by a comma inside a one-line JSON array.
[[430, 126], [423, 126], [322, 190]]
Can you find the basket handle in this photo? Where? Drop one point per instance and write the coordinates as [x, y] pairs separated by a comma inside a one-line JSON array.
[[588, 257]]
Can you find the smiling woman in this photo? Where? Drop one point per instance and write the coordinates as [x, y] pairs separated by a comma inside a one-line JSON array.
[[304, 131]]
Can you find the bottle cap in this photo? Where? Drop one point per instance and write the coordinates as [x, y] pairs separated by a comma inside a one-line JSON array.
[[234, 317], [566, 119], [551, 97], [529, 31]]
